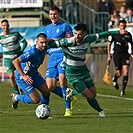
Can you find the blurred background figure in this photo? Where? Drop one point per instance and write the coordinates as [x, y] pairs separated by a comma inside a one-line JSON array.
[[114, 19], [122, 12], [72, 11], [129, 3], [129, 18], [105, 6]]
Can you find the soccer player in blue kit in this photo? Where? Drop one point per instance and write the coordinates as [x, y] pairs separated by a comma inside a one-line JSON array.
[[56, 70], [27, 76]]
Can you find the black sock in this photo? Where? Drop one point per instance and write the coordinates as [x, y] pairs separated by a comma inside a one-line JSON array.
[[124, 83], [115, 78]]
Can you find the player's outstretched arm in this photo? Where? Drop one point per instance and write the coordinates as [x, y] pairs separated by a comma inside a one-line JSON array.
[[93, 37], [108, 33], [51, 45], [65, 42]]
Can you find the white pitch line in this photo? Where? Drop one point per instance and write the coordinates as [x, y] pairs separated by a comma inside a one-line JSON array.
[[110, 96]]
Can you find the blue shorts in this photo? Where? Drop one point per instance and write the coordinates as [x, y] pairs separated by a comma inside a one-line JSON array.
[[53, 71], [38, 81]]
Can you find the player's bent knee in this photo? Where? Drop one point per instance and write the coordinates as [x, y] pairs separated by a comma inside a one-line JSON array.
[[51, 88], [89, 96], [118, 74]]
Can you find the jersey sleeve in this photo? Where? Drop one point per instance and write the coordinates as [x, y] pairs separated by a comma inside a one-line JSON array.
[[65, 42], [29, 54], [110, 38], [93, 37], [90, 38], [21, 38], [68, 31]]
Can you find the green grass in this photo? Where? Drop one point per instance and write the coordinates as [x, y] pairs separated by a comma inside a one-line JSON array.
[[119, 114]]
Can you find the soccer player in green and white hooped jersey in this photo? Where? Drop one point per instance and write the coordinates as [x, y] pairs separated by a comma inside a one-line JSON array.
[[77, 73], [11, 50]]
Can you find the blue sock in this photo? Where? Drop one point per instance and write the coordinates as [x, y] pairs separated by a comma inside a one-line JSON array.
[[58, 91], [25, 99], [45, 99], [68, 103]]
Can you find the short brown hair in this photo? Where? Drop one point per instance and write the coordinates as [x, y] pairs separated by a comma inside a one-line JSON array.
[[4, 20], [42, 35], [55, 8]]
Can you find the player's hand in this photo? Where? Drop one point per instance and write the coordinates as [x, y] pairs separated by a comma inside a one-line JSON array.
[[27, 79], [109, 59]]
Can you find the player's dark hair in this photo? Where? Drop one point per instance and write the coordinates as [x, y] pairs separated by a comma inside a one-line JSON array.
[[81, 26], [122, 21], [4, 20], [55, 8], [41, 35]]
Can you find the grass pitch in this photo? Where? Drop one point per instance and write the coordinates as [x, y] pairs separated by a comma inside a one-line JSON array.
[[119, 112]]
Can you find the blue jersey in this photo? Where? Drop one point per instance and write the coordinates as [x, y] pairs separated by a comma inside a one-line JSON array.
[[31, 60], [55, 63], [60, 30]]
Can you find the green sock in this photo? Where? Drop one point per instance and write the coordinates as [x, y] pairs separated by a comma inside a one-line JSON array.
[[94, 104], [74, 92], [15, 88]]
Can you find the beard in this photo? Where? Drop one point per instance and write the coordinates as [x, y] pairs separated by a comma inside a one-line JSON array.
[[78, 40]]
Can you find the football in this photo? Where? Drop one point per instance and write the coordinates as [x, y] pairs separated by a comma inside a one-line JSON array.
[[43, 111]]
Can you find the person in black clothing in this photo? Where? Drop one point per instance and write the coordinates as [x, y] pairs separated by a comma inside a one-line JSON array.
[[129, 3], [105, 6], [121, 55], [72, 12]]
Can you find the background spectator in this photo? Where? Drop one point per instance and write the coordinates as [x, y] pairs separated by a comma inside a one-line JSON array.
[[105, 6], [129, 18], [122, 12], [72, 14], [129, 3], [114, 19]]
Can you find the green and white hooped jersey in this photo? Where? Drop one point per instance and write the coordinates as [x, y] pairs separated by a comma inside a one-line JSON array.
[[75, 55], [10, 44]]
